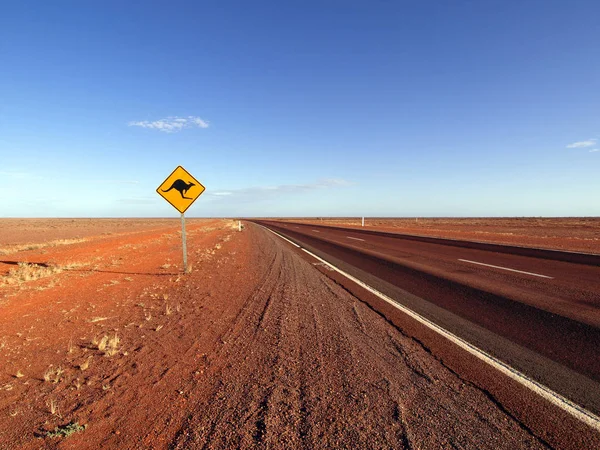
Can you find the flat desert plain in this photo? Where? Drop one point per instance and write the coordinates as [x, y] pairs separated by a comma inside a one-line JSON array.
[[577, 234], [106, 343]]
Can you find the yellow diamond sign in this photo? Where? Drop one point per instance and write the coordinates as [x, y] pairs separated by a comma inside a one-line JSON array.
[[180, 189]]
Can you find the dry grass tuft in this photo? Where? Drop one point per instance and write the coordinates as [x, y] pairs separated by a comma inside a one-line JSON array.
[[112, 346], [64, 431], [72, 265], [19, 374], [53, 407], [53, 374], [109, 345], [100, 342], [98, 319], [232, 225], [25, 247], [28, 272], [168, 310], [86, 364]]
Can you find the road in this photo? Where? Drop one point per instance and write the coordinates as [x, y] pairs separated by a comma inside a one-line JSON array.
[[540, 316]]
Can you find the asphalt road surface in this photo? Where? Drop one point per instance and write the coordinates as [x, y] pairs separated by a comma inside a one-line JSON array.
[[539, 316]]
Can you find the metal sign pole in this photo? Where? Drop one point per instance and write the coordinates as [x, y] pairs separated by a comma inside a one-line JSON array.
[[184, 243], [181, 189]]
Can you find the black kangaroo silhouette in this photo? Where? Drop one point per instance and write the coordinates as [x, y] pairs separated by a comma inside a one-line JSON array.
[[181, 186]]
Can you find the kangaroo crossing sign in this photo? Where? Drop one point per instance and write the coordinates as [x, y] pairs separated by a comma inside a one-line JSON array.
[[180, 189]]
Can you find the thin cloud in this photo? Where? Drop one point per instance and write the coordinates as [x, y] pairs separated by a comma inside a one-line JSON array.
[[264, 191], [114, 181], [15, 174], [171, 124], [594, 150], [138, 200], [583, 144]]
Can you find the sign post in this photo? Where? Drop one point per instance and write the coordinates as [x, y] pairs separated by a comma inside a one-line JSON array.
[[185, 266], [181, 189]]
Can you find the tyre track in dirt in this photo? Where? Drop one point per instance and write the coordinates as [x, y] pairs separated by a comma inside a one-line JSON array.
[[307, 365]]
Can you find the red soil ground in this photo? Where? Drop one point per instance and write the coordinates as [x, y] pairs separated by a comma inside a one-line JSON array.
[[254, 348]]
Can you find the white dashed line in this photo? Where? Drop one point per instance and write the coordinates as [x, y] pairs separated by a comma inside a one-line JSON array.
[[316, 231], [356, 239], [506, 268]]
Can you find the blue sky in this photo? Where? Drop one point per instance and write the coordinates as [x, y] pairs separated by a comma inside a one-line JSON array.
[[301, 108]]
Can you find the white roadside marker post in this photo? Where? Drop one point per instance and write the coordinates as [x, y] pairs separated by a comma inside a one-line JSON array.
[[363, 221], [183, 240], [239, 225]]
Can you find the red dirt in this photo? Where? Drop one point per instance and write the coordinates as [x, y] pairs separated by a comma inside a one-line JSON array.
[[576, 234], [253, 348], [34, 231]]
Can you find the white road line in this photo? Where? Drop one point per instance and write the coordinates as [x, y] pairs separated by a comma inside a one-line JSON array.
[[316, 231], [356, 239], [282, 237], [506, 268], [556, 399]]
